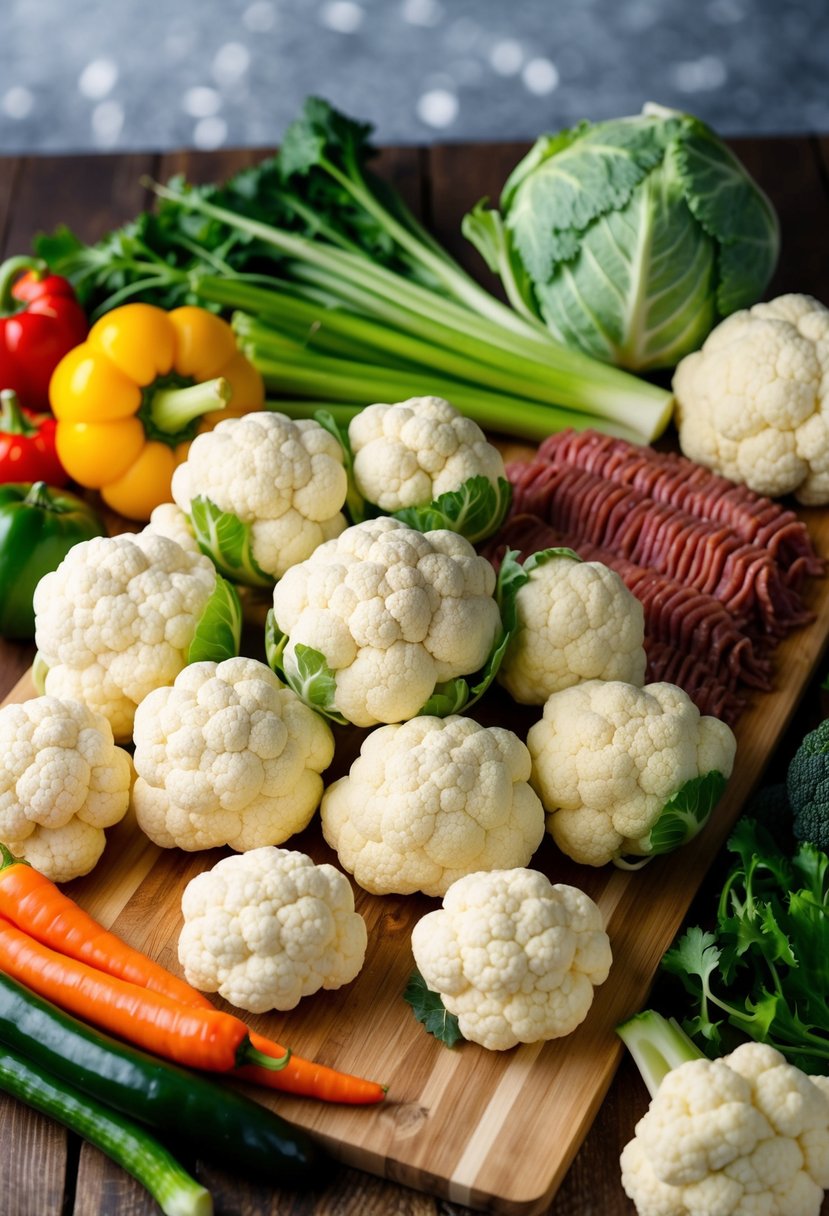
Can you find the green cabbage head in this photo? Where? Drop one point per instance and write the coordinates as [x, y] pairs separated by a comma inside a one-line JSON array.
[[630, 239]]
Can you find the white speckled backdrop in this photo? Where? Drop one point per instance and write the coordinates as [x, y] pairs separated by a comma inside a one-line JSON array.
[[117, 74]]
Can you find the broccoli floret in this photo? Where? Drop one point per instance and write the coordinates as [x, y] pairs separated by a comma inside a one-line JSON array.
[[807, 784]]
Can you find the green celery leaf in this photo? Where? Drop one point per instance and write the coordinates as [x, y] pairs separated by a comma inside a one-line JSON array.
[[429, 1009], [685, 813], [228, 542], [322, 133], [355, 504], [219, 630], [475, 510]]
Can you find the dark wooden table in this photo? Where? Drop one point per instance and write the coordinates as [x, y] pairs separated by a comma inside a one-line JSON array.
[[46, 1172]]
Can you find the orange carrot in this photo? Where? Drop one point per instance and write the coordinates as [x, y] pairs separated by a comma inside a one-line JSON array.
[[37, 906], [194, 1037]]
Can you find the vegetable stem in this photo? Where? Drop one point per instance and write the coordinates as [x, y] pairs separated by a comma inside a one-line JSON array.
[[172, 408], [657, 1044], [362, 385]]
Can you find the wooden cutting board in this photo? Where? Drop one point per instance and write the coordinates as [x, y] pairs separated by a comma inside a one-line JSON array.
[[490, 1130]]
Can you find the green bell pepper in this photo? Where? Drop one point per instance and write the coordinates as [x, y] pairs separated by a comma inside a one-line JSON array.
[[38, 527]]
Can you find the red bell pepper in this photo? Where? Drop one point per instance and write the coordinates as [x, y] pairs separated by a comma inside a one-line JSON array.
[[27, 445], [40, 321]]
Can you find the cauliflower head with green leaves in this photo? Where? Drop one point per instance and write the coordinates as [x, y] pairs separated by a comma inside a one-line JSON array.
[[268, 927], [262, 492], [430, 800], [575, 621], [623, 770], [377, 618], [122, 615], [408, 454], [744, 1135], [227, 756], [753, 403], [513, 956], [62, 781]]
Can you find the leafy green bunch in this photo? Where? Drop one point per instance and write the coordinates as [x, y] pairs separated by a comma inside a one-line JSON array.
[[764, 970]]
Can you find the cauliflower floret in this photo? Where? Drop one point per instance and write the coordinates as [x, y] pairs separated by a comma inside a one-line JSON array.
[[607, 759], [169, 520], [513, 956], [116, 620], [745, 1135], [284, 479], [576, 621], [753, 403], [393, 612], [227, 756], [269, 927], [62, 781], [408, 454], [430, 801]]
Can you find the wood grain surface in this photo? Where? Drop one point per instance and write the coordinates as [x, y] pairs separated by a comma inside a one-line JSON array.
[[500, 1137]]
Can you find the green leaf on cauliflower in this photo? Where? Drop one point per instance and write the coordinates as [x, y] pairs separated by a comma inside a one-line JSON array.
[[312, 679], [430, 1010], [475, 510], [219, 630], [685, 813], [356, 506], [228, 542]]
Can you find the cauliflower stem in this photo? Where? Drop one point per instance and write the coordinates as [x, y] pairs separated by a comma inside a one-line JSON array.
[[657, 1044]]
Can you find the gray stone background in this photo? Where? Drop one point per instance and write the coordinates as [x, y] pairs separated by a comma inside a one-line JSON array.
[[123, 74]]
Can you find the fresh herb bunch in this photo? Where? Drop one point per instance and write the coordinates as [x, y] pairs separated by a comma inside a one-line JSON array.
[[342, 297], [765, 967]]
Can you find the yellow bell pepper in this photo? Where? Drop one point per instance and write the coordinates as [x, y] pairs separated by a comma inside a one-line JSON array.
[[130, 399]]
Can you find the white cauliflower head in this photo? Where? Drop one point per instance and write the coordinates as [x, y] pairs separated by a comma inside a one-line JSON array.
[[753, 403], [431, 800], [393, 612], [227, 756], [406, 455], [513, 956], [626, 770], [62, 781], [575, 621], [745, 1135], [269, 927], [283, 480], [117, 619]]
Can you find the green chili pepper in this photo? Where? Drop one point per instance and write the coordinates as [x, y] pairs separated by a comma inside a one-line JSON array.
[[175, 1192], [219, 1125], [38, 527]]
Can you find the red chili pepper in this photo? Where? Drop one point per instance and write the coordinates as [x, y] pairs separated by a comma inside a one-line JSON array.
[[27, 444], [40, 321]]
